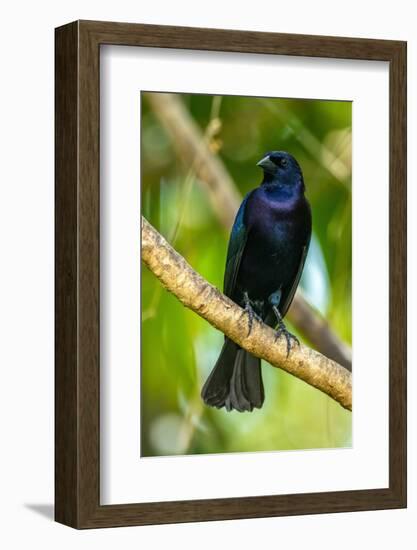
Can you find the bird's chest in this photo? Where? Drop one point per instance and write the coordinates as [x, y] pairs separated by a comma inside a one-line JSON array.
[[276, 237], [272, 240], [276, 228]]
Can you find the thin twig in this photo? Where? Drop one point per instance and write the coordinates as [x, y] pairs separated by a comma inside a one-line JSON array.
[[191, 147], [331, 162]]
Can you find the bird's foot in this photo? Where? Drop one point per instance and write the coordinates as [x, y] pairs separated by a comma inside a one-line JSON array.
[[282, 331], [290, 338], [251, 312]]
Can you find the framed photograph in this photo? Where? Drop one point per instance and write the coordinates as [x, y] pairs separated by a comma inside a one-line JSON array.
[[230, 274]]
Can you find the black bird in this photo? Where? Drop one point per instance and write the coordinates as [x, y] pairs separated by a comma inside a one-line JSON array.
[[265, 258]]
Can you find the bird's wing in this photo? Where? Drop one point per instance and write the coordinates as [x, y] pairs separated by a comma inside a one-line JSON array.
[[288, 294], [237, 243]]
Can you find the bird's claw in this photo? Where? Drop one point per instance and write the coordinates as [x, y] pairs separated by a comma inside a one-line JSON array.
[[282, 331], [251, 313]]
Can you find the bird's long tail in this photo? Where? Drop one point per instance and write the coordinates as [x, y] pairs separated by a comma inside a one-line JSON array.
[[235, 381]]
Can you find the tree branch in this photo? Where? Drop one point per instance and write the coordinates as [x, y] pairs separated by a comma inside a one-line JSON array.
[[188, 141], [316, 329], [194, 151], [194, 292]]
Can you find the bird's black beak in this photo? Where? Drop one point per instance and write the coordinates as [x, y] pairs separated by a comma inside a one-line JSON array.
[[267, 165]]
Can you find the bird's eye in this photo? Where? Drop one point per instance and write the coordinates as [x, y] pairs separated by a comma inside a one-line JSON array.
[[284, 162]]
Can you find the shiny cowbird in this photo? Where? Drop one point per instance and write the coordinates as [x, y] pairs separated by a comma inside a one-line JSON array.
[[266, 254]]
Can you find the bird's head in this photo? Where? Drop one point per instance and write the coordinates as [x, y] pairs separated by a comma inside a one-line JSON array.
[[281, 168]]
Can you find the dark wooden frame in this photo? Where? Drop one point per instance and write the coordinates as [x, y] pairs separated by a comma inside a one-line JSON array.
[[77, 274]]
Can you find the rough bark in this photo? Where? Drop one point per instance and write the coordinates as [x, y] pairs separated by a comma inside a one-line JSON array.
[[194, 292]]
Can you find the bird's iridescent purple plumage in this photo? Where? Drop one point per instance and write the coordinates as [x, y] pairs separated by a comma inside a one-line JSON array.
[[266, 254]]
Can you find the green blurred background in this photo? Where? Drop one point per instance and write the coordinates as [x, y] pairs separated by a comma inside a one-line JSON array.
[[178, 347]]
